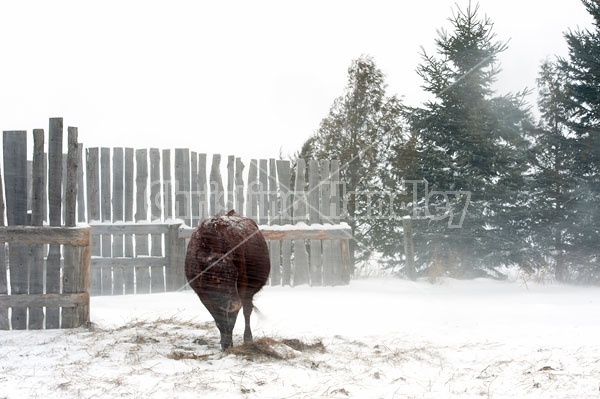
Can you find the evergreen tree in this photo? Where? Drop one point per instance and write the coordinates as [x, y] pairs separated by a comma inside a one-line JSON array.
[[553, 219], [360, 125], [581, 104], [582, 100], [471, 141]]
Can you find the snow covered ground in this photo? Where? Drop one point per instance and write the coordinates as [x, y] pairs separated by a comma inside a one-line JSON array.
[[372, 339]]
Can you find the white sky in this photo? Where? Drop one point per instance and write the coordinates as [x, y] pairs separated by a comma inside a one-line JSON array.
[[237, 77]]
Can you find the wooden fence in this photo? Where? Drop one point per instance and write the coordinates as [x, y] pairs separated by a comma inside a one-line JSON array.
[[44, 270], [142, 204]]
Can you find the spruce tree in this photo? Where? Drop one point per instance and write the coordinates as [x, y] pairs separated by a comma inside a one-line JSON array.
[[581, 103], [553, 218], [469, 140]]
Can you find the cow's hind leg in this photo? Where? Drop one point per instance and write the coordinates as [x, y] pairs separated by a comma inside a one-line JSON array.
[[248, 306]]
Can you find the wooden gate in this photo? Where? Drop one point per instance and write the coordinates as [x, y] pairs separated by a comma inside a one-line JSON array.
[[44, 271]]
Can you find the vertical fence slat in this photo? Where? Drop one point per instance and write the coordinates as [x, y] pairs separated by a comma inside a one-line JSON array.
[[167, 185], [4, 323], [142, 272], [195, 189], [314, 216], [36, 276], [117, 216], [326, 218], [217, 192], [283, 173], [299, 216], [106, 214], [55, 157], [231, 183], [239, 186], [80, 186], [156, 272], [93, 210], [263, 199], [15, 174], [341, 272], [182, 185], [176, 254], [129, 198], [253, 191], [203, 185], [274, 219], [84, 279], [71, 283]]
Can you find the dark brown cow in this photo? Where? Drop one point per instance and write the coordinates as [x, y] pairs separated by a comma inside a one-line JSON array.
[[227, 262]]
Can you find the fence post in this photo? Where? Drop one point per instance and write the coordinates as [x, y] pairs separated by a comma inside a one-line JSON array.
[[175, 253]]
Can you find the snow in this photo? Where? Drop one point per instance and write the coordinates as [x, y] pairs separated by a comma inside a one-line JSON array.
[[383, 338], [304, 226]]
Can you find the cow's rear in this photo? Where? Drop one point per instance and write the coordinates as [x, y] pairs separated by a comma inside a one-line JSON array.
[[227, 262]]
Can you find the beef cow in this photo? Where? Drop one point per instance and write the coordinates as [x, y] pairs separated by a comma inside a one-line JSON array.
[[227, 262]]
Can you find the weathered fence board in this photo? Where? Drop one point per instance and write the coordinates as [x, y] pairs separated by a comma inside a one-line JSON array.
[[274, 219], [253, 191], [230, 182], [182, 185], [299, 217], [142, 273], [81, 185], [15, 178], [284, 175], [195, 189], [106, 217], [314, 217], [157, 279], [204, 187], [118, 195], [239, 185], [263, 198], [71, 277], [128, 274], [36, 274], [55, 157], [217, 194], [167, 185], [4, 323], [93, 209]]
